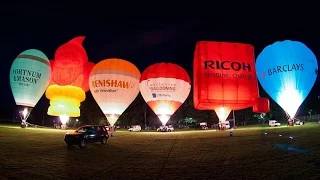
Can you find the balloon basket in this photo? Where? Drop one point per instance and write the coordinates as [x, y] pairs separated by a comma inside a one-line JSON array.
[[64, 127], [291, 124], [23, 124]]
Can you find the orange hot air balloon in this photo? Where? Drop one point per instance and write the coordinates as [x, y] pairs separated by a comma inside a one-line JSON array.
[[224, 77], [165, 86], [114, 84]]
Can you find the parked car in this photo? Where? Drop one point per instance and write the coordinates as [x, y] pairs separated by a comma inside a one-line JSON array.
[[299, 122], [165, 128], [87, 134], [204, 125], [135, 128], [227, 124], [107, 128], [273, 123]]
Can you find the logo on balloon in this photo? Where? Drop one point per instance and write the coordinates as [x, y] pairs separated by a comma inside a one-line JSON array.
[[25, 77], [240, 69], [227, 65], [161, 86], [285, 68], [114, 85]]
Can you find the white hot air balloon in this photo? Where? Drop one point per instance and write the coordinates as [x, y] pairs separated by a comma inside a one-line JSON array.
[[29, 78], [114, 84]]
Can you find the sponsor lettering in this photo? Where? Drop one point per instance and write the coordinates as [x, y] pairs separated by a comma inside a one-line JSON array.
[[25, 77], [155, 95], [237, 70], [161, 87], [228, 76], [110, 85], [285, 68], [227, 65]]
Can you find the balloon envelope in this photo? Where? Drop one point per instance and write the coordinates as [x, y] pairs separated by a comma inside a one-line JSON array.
[[68, 64], [287, 71], [29, 77], [114, 84], [224, 77], [165, 86]]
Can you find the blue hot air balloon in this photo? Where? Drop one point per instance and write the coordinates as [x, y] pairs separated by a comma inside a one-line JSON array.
[[30, 75], [287, 71]]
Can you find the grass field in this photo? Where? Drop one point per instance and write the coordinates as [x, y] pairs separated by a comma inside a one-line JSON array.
[[38, 153]]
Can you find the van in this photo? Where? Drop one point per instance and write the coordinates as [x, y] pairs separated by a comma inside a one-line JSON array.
[[274, 123], [135, 128], [227, 124]]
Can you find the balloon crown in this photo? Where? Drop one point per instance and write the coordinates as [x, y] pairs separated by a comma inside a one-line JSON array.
[[72, 52]]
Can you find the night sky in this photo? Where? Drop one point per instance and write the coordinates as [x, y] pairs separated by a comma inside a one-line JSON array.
[[140, 36]]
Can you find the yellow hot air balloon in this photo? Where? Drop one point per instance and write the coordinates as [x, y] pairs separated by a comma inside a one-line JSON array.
[[114, 84], [65, 100]]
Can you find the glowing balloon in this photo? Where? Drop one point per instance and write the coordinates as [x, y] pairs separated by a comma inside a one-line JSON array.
[[70, 79], [65, 100], [114, 84], [261, 105], [69, 60], [165, 86], [86, 74], [29, 77], [287, 71], [224, 77]]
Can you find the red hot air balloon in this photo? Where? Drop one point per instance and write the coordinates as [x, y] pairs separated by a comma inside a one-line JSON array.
[[261, 105], [224, 77], [69, 81], [71, 65], [165, 86]]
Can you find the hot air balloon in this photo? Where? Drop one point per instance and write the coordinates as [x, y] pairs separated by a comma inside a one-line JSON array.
[[287, 71], [165, 86], [29, 77], [224, 77], [114, 84], [69, 82]]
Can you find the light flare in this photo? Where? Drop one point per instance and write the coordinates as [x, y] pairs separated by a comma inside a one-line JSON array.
[[290, 99], [64, 119], [24, 113], [164, 118], [112, 118], [222, 113]]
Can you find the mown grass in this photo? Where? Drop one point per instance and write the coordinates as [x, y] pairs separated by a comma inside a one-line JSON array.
[[40, 153]]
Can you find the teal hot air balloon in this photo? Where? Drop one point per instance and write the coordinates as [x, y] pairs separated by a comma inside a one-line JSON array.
[[29, 77], [287, 71]]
